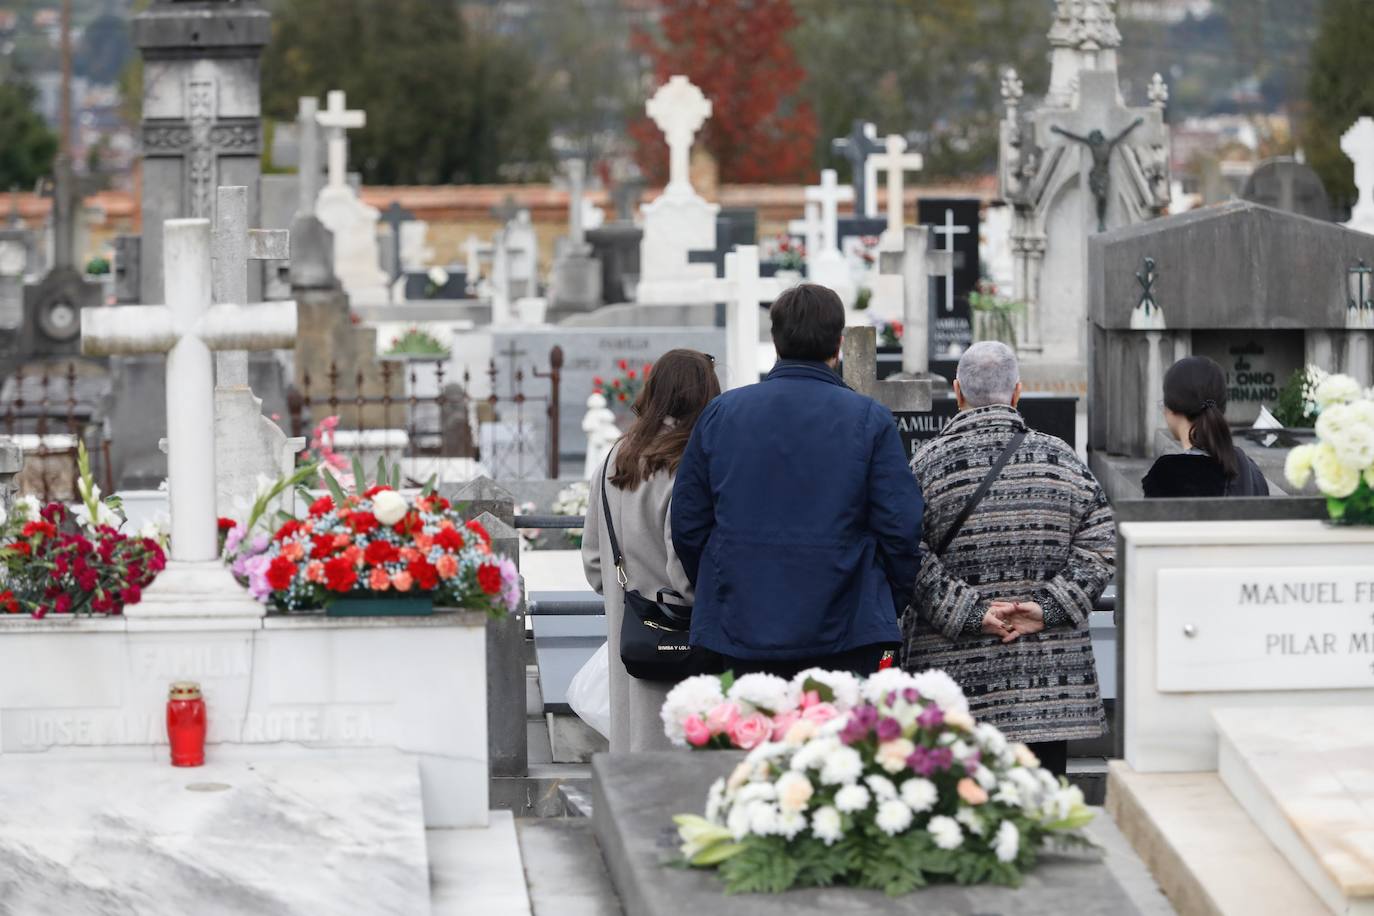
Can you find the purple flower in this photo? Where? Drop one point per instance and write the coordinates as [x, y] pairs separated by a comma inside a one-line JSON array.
[[861, 722], [260, 543], [256, 567], [972, 760], [510, 584], [930, 717], [910, 695], [889, 728], [233, 539], [927, 761]]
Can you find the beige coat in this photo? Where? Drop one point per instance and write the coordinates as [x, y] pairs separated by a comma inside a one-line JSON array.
[[642, 524]]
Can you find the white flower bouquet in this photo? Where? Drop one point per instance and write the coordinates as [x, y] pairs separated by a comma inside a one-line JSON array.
[[1342, 459], [902, 790]]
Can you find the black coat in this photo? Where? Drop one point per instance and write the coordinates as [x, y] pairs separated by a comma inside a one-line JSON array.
[[1194, 474]]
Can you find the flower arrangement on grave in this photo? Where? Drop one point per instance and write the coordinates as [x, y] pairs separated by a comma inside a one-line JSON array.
[[435, 281], [995, 314], [417, 342], [74, 561], [620, 392], [789, 254], [1296, 407], [1342, 459], [889, 333], [886, 783], [376, 543], [97, 266], [572, 500], [323, 454]]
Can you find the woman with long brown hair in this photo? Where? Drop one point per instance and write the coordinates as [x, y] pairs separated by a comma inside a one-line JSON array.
[[639, 488]]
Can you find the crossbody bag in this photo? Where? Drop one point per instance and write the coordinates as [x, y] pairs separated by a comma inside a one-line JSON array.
[[991, 477]]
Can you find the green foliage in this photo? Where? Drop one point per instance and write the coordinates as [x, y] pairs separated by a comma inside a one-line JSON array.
[[764, 866], [1291, 408], [415, 342], [1338, 91], [446, 101], [996, 315], [97, 266], [28, 148], [1355, 509]]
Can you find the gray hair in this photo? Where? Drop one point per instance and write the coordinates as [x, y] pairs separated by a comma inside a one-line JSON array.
[[988, 373]]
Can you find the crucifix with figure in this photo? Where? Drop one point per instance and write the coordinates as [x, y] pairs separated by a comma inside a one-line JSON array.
[[1100, 176], [861, 143]]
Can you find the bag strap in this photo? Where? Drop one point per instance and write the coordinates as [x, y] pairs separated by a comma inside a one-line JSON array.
[[993, 473], [610, 529]]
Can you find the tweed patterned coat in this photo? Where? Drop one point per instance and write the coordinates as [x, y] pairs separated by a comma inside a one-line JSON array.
[[1045, 533]]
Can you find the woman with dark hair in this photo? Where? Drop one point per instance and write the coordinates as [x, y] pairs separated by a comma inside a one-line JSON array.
[[1210, 463], [639, 488]]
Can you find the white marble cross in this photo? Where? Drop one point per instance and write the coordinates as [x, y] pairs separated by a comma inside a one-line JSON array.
[[743, 290], [188, 328], [679, 109], [232, 247], [947, 231], [896, 161], [913, 268], [577, 176], [1358, 144], [336, 119], [308, 167], [809, 228], [827, 265]]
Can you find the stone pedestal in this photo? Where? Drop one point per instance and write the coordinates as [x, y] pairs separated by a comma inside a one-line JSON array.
[[357, 258], [674, 225]]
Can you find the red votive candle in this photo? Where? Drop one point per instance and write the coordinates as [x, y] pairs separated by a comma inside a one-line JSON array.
[[186, 724]]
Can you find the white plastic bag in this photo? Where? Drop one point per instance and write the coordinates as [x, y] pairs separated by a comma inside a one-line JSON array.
[[589, 694]]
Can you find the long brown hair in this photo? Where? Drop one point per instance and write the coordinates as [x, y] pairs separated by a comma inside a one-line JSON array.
[[1195, 387], [676, 391]]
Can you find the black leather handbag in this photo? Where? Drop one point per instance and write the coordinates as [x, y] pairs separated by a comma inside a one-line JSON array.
[[653, 632]]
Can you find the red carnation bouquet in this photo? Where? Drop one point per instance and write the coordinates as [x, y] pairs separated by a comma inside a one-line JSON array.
[[620, 392], [59, 561], [378, 543]]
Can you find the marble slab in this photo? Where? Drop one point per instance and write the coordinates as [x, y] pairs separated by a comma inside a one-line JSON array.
[[636, 796], [1306, 778], [1201, 846], [341, 837]]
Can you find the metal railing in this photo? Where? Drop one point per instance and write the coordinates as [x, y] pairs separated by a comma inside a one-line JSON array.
[[43, 411]]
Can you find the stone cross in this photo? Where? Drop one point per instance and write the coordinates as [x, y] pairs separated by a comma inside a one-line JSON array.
[[859, 354], [679, 109], [201, 140], [861, 143], [1358, 144], [308, 168], [809, 228], [577, 176], [829, 194], [394, 215], [896, 161], [743, 290], [916, 264], [947, 231], [718, 255], [187, 329], [232, 247], [337, 120]]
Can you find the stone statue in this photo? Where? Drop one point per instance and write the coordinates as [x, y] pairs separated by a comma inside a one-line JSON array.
[[599, 425], [1099, 179]]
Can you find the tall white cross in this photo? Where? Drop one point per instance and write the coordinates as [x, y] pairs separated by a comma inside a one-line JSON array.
[[947, 231], [896, 161], [679, 109], [308, 168], [188, 329], [232, 247], [743, 290], [1358, 144], [809, 228], [336, 119], [828, 266]]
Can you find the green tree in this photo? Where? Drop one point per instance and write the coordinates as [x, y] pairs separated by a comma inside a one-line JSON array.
[[104, 50], [446, 102], [26, 154], [929, 66], [1338, 91]]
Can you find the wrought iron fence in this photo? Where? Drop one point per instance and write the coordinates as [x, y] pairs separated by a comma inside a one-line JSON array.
[[47, 411], [417, 409]]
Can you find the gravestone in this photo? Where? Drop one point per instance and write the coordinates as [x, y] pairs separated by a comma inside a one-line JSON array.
[[861, 143], [896, 162], [394, 217], [827, 266], [576, 282], [1286, 184], [202, 115], [1053, 415], [590, 353], [679, 220], [859, 364], [1259, 290], [1079, 163], [616, 246], [1358, 144], [955, 225], [357, 261]]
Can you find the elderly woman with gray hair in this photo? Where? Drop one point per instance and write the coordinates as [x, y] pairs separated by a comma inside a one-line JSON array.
[[1020, 542]]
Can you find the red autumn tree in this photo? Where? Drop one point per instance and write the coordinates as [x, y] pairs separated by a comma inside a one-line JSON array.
[[737, 53]]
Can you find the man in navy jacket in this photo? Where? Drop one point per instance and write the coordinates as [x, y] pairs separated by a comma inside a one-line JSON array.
[[794, 512]]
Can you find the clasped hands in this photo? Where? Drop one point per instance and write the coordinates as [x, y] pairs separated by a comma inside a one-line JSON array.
[[1010, 620]]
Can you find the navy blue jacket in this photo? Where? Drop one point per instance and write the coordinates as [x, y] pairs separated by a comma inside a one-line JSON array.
[[796, 517]]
